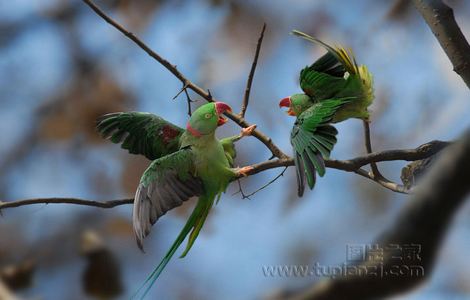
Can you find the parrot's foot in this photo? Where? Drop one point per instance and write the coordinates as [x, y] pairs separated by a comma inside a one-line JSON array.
[[244, 171], [248, 130]]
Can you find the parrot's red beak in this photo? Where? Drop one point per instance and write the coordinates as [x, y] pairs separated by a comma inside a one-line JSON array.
[[286, 102], [220, 108]]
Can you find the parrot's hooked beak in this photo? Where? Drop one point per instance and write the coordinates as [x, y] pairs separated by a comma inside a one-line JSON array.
[[220, 108], [286, 102]]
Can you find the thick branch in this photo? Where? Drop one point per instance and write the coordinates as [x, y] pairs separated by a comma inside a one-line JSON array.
[[249, 81], [421, 152], [422, 222], [355, 165], [440, 18], [186, 82]]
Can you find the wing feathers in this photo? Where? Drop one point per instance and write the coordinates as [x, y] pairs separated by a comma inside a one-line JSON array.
[[140, 133], [300, 172], [166, 184], [157, 199], [313, 140]]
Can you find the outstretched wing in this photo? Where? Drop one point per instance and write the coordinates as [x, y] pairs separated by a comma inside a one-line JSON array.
[[313, 139], [325, 77], [166, 184], [141, 133]]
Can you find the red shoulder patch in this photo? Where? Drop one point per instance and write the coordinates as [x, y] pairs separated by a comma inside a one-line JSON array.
[[169, 133]]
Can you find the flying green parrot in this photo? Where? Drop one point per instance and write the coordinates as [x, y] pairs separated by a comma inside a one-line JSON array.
[[185, 163], [335, 89]]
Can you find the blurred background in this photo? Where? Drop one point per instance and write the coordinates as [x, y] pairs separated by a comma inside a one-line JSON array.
[[61, 66]]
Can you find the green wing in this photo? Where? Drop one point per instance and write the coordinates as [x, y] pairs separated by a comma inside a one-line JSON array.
[[324, 78], [313, 139], [229, 148], [166, 184], [141, 133]]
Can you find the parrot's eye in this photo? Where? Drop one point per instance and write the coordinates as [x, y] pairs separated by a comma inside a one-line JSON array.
[[299, 107], [207, 116]]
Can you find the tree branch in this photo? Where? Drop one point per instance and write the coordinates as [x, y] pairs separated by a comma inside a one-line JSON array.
[[355, 165], [77, 201], [249, 81], [422, 222], [368, 145], [186, 82], [440, 18], [352, 165], [375, 174]]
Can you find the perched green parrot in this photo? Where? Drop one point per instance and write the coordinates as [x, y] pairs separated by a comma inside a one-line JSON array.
[[335, 89], [186, 163]]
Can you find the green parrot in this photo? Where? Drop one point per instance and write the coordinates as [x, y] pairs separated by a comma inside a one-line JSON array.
[[335, 89], [185, 163]]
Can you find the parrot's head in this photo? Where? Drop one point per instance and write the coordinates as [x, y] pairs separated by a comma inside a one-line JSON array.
[[296, 104], [207, 118]]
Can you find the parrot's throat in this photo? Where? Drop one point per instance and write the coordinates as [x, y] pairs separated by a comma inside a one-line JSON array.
[[194, 132]]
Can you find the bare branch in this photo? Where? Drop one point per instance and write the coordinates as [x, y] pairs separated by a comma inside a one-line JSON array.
[[355, 165], [375, 174], [440, 18], [249, 81], [198, 90], [267, 184], [352, 165], [421, 152], [77, 201]]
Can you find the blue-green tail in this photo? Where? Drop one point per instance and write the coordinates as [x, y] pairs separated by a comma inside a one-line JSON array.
[[194, 223]]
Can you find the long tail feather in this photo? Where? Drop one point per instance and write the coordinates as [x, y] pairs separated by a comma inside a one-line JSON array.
[[198, 226], [195, 222]]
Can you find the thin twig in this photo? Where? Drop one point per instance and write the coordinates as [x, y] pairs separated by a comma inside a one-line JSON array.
[[240, 190], [368, 144], [267, 184], [198, 90], [188, 100], [249, 81], [180, 91]]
